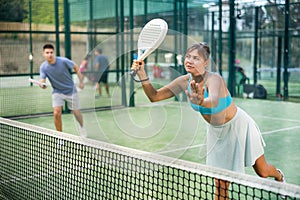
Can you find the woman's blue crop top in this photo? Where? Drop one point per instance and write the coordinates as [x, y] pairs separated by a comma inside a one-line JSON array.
[[224, 103]]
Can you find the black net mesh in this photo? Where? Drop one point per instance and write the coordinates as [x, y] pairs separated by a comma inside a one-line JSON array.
[[38, 163]]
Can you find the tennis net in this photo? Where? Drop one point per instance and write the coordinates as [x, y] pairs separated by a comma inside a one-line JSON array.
[[38, 163]]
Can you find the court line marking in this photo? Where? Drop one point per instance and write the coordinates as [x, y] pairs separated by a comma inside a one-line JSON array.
[[280, 130], [200, 145], [282, 119]]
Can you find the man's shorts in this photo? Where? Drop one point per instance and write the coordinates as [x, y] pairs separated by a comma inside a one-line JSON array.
[[72, 100], [102, 77]]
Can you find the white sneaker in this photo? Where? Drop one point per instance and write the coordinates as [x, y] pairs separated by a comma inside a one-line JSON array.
[[82, 132], [283, 179]]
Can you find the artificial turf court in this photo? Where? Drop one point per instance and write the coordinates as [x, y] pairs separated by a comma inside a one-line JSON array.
[[173, 129]]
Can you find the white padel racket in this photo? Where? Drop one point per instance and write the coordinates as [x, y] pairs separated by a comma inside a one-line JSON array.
[[37, 82], [151, 36]]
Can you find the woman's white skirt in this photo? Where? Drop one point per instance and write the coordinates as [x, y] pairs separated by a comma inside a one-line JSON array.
[[236, 144]]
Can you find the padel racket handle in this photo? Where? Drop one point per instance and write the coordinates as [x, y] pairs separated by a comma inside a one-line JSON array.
[[133, 72]]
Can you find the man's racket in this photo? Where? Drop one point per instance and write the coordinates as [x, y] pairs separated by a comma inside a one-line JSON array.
[[37, 82], [151, 36]]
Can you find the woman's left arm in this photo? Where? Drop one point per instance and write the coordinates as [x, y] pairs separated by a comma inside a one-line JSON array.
[[216, 89], [214, 85]]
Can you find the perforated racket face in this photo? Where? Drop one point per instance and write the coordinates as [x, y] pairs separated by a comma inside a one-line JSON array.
[[151, 36]]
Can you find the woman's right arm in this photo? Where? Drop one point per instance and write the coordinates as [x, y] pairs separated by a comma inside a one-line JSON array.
[[168, 91]]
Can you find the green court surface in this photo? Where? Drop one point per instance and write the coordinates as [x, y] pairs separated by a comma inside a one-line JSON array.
[[174, 129]]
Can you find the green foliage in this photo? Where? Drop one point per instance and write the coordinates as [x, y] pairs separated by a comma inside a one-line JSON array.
[[43, 12], [12, 10]]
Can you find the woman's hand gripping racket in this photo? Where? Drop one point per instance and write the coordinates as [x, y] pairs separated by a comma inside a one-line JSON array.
[[151, 36], [42, 85]]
